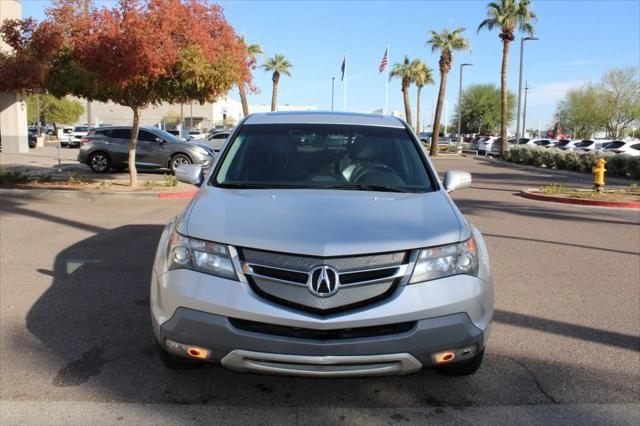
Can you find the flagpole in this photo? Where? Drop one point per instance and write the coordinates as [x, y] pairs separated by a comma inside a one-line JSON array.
[[386, 85], [346, 66]]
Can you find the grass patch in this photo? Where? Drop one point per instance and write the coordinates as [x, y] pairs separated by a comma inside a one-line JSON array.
[[554, 188], [149, 185], [170, 181]]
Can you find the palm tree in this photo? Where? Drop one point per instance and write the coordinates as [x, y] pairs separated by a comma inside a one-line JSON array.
[[404, 71], [279, 65], [445, 41], [253, 50], [508, 15], [421, 76]]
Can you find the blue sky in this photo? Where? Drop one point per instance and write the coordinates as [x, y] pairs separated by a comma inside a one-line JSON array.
[[579, 41]]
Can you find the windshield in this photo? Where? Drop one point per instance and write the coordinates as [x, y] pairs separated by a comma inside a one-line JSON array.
[[583, 144], [563, 143], [81, 129], [324, 156], [167, 136]]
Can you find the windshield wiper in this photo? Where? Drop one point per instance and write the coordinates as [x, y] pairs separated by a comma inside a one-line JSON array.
[[364, 187]]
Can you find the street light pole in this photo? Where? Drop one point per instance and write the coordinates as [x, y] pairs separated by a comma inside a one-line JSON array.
[[460, 107], [524, 112], [522, 40], [333, 82]]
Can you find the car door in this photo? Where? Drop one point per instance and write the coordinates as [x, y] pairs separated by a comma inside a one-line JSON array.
[[152, 151], [116, 144]]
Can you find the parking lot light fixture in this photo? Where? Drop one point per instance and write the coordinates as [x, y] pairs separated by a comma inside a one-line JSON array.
[[460, 107], [522, 40]]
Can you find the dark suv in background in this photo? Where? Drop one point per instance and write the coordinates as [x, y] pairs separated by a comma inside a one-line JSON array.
[[105, 148]]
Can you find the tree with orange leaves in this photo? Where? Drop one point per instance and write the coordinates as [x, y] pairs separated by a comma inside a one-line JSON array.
[[143, 52]]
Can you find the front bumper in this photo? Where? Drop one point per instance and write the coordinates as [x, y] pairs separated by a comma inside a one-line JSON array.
[[244, 350]]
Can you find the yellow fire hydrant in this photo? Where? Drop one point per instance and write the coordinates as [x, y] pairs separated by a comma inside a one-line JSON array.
[[598, 174]]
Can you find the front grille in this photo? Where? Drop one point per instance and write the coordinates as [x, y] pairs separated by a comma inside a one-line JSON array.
[[337, 334], [284, 277]]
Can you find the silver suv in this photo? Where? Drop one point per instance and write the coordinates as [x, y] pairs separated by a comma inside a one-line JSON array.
[[322, 244], [105, 148]]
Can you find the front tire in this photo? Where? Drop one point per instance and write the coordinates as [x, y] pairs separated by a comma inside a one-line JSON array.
[[465, 368], [99, 162], [179, 160]]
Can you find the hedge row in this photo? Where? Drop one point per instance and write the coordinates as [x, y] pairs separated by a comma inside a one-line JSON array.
[[617, 165]]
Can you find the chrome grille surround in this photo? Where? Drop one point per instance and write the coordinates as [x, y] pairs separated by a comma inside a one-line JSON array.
[[286, 278]]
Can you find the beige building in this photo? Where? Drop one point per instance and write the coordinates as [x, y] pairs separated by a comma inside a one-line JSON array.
[[206, 116], [13, 109]]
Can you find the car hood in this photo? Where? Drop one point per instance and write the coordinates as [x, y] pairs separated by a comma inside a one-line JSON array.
[[322, 222]]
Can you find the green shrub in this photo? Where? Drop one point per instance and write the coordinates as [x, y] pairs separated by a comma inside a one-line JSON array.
[[573, 161], [554, 188], [559, 159], [170, 181], [617, 165], [536, 156], [548, 158], [12, 178]]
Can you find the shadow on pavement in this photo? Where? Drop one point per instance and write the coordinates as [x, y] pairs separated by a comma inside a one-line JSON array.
[[93, 322]]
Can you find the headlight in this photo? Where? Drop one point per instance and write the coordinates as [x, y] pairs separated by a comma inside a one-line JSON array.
[[200, 150], [199, 255], [444, 261]]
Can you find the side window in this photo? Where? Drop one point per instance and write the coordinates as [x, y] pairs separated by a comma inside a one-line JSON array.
[[146, 136], [636, 147], [121, 133], [105, 133], [220, 136]]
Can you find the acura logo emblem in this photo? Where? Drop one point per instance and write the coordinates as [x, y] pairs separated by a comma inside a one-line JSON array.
[[323, 281]]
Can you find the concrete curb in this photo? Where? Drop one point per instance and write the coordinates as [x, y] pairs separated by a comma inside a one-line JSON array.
[[527, 193], [48, 193]]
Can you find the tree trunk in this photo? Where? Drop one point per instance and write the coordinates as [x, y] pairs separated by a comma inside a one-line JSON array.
[[418, 111], [133, 173], [407, 105], [504, 91], [243, 99], [274, 94], [435, 134]]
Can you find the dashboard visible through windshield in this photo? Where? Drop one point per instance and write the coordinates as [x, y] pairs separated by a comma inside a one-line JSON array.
[[323, 156]]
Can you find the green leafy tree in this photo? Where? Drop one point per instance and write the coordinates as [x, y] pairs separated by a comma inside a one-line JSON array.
[[53, 110], [446, 42], [278, 65], [253, 50], [482, 109], [421, 76], [619, 99], [508, 16], [405, 72], [580, 111]]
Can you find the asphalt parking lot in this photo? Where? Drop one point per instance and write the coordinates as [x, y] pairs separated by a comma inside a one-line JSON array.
[[77, 346]]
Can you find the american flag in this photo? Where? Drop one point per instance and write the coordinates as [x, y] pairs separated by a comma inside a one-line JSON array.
[[383, 63]]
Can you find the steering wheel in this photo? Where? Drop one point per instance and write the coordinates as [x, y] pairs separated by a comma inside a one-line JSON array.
[[369, 168]]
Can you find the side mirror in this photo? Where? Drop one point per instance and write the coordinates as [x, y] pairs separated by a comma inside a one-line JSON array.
[[455, 179], [190, 173], [160, 141]]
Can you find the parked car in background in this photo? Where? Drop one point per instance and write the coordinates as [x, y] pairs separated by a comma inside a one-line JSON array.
[[217, 140], [540, 142], [588, 145], [108, 147], [496, 147], [473, 146], [484, 145], [74, 137], [567, 144], [32, 137], [63, 134], [622, 147], [344, 256], [193, 134]]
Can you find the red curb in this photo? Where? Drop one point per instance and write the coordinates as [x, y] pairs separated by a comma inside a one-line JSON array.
[[176, 195], [576, 201]]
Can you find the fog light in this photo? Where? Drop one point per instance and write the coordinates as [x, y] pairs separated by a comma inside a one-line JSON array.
[[441, 357], [455, 354], [187, 350]]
